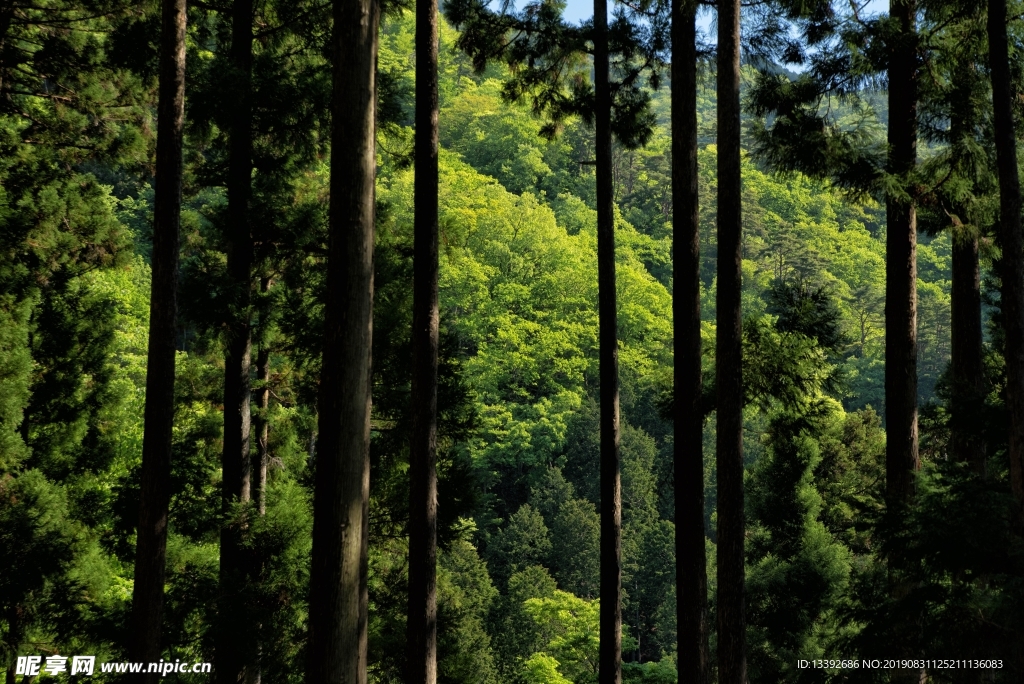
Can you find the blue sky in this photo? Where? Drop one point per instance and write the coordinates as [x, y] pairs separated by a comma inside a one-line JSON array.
[[578, 10]]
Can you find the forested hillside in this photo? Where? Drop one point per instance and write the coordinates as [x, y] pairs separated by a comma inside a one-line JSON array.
[[518, 422]]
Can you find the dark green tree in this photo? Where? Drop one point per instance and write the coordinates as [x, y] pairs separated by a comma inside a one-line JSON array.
[[422, 612], [150, 558], [338, 580]]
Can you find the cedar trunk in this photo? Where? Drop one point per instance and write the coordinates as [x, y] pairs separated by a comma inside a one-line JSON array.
[[691, 567], [968, 386], [422, 613], [261, 459], [1011, 263], [151, 548], [338, 574], [234, 636], [901, 457], [610, 658], [732, 667]]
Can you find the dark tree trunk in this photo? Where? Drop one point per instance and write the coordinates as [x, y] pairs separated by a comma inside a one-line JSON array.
[[261, 459], [610, 658], [422, 614], [235, 638], [732, 664], [151, 547], [338, 578], [691, 568], [260, 463], [901, 459], [1011, 263], [968, 386], [968, 382]]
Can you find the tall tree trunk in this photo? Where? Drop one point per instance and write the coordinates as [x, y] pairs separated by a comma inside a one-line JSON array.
[[968, 385], [610, 658], [261, 460], [732, 664], [422, 613], [151, 547], [260, 463], [968, 378], [1011, 263], [234, 643], [901, 458], [338, 579], [691, 562]]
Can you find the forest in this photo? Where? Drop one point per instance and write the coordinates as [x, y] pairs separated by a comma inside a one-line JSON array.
[[377, 341]]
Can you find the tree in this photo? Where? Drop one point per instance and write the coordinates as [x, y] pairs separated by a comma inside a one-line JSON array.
[[901, 259], [691, 562], [338, 580], [610, 670], [151, 547], [236, 463], [729, 355], [1011, 263], [422, 614]]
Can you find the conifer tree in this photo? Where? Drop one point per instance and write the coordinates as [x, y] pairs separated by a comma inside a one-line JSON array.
[[338, 579], [729, 355], [151, 547], [691, 562], [233, 635], [422, 612], [1011, 263], [610, 667], [901, 259]]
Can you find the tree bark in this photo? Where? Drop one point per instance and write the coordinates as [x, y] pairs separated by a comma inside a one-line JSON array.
[[1011, 263], [338, 579], [261, 460], [151, 547], [234, 644], [610, 657], [968, 386], [967, 443], [732, 666], [422, 613], [691, 561], [901, 457]]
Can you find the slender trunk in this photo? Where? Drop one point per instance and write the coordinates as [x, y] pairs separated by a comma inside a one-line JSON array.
[[338, 578], [968, 444], [151, 547], [901, 458], [732, 664], [1011, 242], [261, 460], [968, 386], [235, 637], [422, 614], [610, 659], [262, 457], [691, 563]]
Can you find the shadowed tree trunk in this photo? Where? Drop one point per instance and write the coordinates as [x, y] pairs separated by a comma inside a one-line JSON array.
[[151, 547], [968, 386], [338, 574], [732, 666], [234, 643], [610, 658], [1011, 263], [901, 458], [261, 459], [422, 613], [691, 568], [968, 383]]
